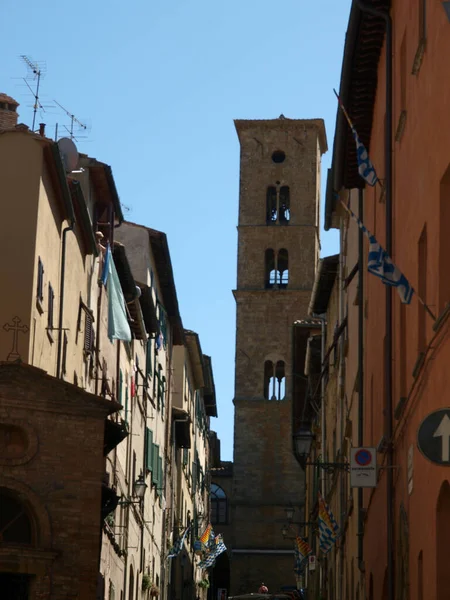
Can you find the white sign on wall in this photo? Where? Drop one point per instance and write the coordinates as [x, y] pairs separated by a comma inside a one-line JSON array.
[[312, 563], [363, 468]]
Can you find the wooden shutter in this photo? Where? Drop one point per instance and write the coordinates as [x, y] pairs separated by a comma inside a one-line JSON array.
[[148, 364], [88, 333], [155, 464], [149, 449], [160, 476]]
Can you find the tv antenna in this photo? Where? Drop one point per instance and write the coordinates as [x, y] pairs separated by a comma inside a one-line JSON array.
[[73, 121], [36, 71]]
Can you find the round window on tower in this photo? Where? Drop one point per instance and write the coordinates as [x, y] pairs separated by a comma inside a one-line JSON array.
[[278, 156]]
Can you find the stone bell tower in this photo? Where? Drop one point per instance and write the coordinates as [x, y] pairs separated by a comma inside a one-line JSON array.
[[278, 249]]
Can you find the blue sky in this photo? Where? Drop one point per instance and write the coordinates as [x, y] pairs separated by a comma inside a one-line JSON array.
[[160, 84]]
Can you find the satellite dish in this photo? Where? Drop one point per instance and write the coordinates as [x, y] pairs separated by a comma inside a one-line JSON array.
[[69, 154]]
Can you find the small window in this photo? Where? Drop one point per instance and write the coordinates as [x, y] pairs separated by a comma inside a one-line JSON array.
[[274, 380], [270, 278], [283, 268], [40, 281], [272, 208], [284, 204], [51, 301], [278, 157], [219, 506]]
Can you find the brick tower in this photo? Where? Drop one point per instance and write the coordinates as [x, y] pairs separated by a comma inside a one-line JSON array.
[[278, 248]]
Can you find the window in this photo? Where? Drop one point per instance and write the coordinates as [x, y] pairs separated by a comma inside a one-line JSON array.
[[283, 271], [15, 523], [278, 205], [40, 281], [422, 290], [148, 450], [51, 301], [148, 358], [278, 156], [219, 506], [284, 203], [104, 222], [274, 380], [272, 212], [276, 269]]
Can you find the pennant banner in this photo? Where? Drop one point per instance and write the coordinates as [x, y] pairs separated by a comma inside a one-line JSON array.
[[178, 546], [218, 548], [328, 528], [365, 166], [381, 265]]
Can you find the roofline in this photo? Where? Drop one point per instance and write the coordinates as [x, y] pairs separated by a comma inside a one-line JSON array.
[[323, 263], [284, 123], [196, 356]]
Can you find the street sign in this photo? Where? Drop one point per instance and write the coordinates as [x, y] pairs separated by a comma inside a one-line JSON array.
[[363, 467], [433, 437]]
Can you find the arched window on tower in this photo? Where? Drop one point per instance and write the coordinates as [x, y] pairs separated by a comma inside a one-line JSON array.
[[284, 205], [274, 380], [276, 269], [270, 277], [272, 209], [283, 268], [278, 205], [219, 505]]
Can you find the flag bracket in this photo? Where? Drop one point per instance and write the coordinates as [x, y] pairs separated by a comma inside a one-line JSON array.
[[329, 467]]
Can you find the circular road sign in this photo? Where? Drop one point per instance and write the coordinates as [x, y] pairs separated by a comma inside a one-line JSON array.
[[433, 437], [363, 457]]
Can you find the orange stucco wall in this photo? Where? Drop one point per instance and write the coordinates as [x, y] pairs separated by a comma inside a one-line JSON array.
[[421, 157]]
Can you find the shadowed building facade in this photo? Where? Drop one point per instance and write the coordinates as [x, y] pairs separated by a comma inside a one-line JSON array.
[[278, 249]]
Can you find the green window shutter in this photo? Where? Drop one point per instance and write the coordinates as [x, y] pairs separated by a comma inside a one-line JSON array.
[[155, 464], [149, 370], [149, 449], [126, 403], [160, 476], [163, 393]]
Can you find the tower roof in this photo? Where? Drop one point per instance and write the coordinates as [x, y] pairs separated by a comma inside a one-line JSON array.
[[285, 124]]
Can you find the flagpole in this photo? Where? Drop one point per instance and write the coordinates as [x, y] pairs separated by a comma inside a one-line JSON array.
[[424, 304], [349, 121]]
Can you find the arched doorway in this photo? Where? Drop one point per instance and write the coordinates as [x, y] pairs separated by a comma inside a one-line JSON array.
[[17, 531], [442, 543], [220, 578]]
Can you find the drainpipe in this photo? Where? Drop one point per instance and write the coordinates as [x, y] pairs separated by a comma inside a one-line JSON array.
[[61, 295], [360, 369], [341, 390], [388, 343]]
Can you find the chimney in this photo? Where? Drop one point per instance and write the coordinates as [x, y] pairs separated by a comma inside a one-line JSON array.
[[8, 112], [42, 129]]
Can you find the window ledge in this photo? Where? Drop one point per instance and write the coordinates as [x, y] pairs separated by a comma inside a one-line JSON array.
[[419, 56], [39, 306]]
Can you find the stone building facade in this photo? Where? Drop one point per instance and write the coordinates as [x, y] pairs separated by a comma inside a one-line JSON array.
[[89, 325], [278, 247]]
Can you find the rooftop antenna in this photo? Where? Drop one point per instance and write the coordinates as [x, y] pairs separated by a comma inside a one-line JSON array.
[[73, 121], [35, 73]]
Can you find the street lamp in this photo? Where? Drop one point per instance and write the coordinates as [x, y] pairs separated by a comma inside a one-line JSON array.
[[303, 440], [139, 488]]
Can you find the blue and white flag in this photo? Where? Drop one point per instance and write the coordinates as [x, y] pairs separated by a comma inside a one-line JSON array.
[[178, 546], [381, 265], [365, 166], [215, 552]]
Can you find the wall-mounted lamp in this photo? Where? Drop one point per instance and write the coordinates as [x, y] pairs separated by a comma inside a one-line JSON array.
[[303, 440], [139, 488]]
